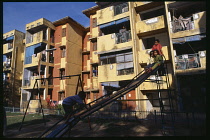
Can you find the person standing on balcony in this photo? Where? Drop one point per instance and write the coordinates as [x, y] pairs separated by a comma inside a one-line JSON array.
[[122, 32], [157, 46], [70, 101]]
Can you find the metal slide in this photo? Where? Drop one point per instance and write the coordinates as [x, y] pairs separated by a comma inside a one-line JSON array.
[[99, 103]]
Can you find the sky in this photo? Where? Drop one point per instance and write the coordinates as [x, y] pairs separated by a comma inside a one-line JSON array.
[[17, 14]]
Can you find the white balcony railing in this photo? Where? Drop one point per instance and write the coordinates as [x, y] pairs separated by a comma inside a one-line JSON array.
[[187, 61]]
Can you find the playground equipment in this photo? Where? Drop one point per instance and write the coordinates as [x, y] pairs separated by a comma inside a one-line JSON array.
[[101, 102]]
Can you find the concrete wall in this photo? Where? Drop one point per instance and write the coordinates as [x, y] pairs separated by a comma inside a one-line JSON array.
[[107, 42], [109, 73], [150, 24], [107, 15]]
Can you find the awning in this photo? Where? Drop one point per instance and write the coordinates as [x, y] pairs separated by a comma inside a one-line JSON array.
[[187, 39], [115, 50], [114, 22], [111, 84], [9, 38]]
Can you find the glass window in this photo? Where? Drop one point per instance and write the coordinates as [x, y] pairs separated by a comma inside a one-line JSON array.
[[63, 51], [63, 32], [95, 46], [94, 22]]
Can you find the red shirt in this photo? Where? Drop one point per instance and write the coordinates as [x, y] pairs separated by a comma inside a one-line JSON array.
[[157, 47]]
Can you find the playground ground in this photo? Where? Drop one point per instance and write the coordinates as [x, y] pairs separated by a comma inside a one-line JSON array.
[[102, 128]]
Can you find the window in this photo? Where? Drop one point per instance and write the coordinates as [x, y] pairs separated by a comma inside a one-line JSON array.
[[61, 95], [121, 8], [32, 26], [95, 46], [62, 72], [24, 96], [88, 95], [110, 59], [63, 32], [10, 45], [125, 63], [116, 57], [38, 23], [44, 34], [94, 22], [63, 51], [95, 70]]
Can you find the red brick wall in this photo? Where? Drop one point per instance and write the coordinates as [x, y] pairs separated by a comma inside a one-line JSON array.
[[57, 60]]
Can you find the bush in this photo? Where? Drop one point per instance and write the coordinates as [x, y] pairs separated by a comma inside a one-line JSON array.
[[60, 109]]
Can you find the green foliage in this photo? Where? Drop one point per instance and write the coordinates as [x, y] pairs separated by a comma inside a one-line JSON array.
[[60, 109]]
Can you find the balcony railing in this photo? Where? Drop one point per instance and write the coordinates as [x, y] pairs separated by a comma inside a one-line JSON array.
[[187, 61], [9, 46], [121, 8], [26, 82], [123, 37]]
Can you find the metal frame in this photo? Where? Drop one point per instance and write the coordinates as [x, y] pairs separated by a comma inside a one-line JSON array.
[[36, 84]]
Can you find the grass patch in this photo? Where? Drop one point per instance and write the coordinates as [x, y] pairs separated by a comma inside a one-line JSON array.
[[14, 122], [13, 114]]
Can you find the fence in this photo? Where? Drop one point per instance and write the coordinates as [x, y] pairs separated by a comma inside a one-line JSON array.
[[187, 61], [34, 110], [187, 118], [180, 117]]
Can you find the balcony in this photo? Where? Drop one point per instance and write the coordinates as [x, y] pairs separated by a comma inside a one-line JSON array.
[[39, 25], [87, 85], [112, 13], [35, 58], [86, 68], [151, 26], [7, 48], [114, 41], [144, 55], [94, 59], [95, 83], [188, 26], [191, 62], [152, 85], [6, 66], [95, 33], [29, 83]]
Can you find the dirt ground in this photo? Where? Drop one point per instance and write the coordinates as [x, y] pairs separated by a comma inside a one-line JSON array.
[[98, 129]]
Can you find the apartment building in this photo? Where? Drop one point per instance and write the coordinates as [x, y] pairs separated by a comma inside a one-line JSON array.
[[53, 49], [90, 59], [38, 61], [187, 30], [69, 36], [113, 50], [126, 31], [13, 49]]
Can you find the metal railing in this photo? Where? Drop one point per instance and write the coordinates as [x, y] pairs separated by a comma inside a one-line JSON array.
[[34, 110], [121, 8], [180, 117], [187, 61], [123, 37]]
